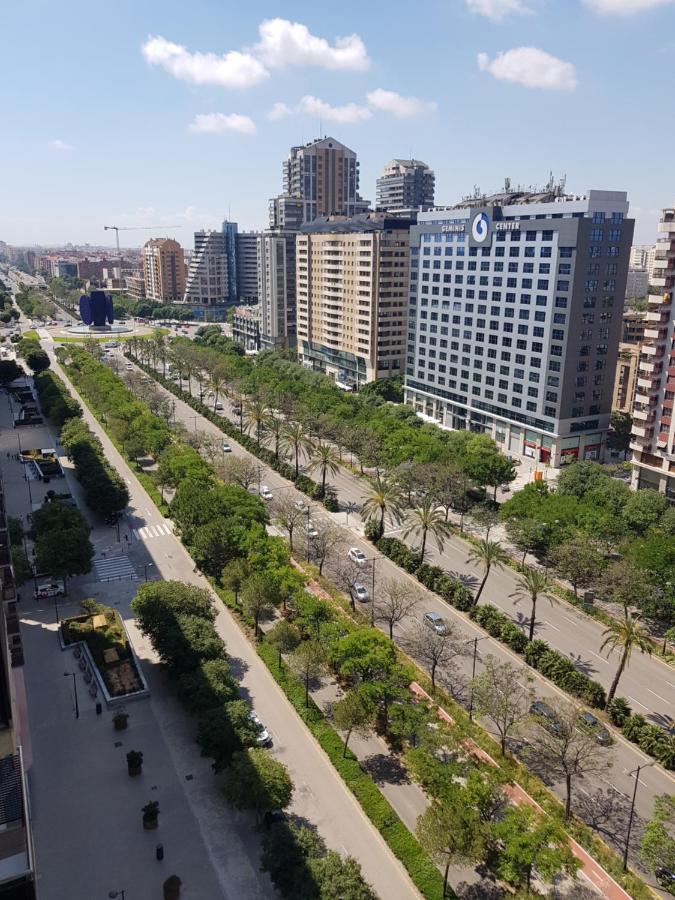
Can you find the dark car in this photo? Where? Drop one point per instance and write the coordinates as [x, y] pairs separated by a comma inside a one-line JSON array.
[[590, 723], [665, 877], [546, 715]]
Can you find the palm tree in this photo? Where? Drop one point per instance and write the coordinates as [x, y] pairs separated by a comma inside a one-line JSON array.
[[256, 416], [385, 499], [217, 381], [625, 635], [324, 458], [487, 554], [293, 440], [274, 427], [427, 518], [531, 583]]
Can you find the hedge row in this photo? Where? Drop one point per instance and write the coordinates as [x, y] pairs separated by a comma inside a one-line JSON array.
[[651, 739], [55, 401], [424, 874], [537, 654], [302, 482], [104, 490]]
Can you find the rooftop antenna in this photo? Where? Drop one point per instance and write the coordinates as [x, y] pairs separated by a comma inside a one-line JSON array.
[[321, 128]]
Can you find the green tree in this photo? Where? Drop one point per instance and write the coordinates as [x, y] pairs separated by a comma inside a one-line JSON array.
[[528, 840], [325, 461], [259, 596], [384, 500], [234, 575], [38, 360], [623, 637], [313, 612], [618, 436], [308, 662], [486, 465], [62, 544], [643, 509], [499, 695], [257, 781], [531, 585], [489, 555], [657, 848], [451, 832], [352, 714], [341, 877], [578, 561], [283, 637], [256, 417], [293, 440], [10, 371], [427, 518], [364, 655]]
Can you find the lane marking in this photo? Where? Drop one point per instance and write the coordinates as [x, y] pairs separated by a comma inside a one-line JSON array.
[[657, 695], [633, 700], [551, 625], [601, 658]]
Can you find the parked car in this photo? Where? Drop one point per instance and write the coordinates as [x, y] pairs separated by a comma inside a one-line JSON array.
[[435, 622], [590, 723], [357, 556], [264, 737], [665, 878], [220, 407], [51, 589], [129, 366], [266, 493], [546, 715], [311, 530], [226, 447], [361, 592]]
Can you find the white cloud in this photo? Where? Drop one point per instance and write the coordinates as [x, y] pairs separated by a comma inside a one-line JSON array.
[[496, 10], [283, 43], [397, 105], [624, 7], [57, 144], [232, 70], [531, 67], [279, 111], [350, 112], [216, 123]]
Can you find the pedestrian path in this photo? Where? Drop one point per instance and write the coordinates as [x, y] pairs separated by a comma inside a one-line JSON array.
[[114, 568], [152, 531]]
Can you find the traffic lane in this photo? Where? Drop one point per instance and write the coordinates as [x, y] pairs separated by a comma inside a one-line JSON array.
[[634, 756]]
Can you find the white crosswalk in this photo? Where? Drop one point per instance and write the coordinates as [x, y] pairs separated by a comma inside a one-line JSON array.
[[153, 531], [115, 568]]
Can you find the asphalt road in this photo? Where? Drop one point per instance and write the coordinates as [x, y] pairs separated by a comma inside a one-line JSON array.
[[320, 795], [603, 802]]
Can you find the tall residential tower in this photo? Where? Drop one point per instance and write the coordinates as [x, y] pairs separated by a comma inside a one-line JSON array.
[[164, 270], [405, 184]]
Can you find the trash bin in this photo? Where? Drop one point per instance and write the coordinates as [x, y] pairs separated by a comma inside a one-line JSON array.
[[99, 709], [159, 852]]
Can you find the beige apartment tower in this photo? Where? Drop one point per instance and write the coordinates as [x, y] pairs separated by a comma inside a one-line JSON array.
[[164, 270], [352, 297]]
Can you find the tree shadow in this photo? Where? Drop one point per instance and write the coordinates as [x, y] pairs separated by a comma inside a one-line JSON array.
[[485, 889], [468, 580], [238, 667], [385, 769], [663, 721], [607, 812], [583, 665], [575, 891]]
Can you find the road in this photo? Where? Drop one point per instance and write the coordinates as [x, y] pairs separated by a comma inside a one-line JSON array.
[[320, 795], [616, 788]]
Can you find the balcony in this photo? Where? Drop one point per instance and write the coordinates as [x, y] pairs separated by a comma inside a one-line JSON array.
[[652, 350], [643, 415], [643, 432], [656, 334]]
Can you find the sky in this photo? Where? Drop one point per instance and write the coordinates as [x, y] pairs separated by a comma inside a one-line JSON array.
[[174, 115]]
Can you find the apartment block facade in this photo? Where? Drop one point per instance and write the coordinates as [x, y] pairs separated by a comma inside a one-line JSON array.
[[515, 319], [164, 270], [247, 266], [405, 184], [625, 379], [276, 289], [653, 436], [352, 297], [208, 277]]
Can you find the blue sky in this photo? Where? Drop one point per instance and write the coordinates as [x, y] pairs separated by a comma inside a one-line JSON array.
[[149, 113]]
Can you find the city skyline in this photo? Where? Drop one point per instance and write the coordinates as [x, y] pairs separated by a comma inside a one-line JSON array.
[[190, 120]]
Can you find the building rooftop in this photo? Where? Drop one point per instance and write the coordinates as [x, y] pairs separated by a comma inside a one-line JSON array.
[[372, 221]]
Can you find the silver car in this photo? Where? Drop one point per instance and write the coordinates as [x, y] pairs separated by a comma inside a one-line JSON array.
[[435, 622]]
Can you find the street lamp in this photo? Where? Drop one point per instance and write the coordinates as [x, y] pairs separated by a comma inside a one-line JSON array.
[[147, 566], [74, 677], [373, 560], [113, 894], [474, 641], [635, 772]]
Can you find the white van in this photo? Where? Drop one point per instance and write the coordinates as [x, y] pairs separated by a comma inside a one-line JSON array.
[[51, 589]]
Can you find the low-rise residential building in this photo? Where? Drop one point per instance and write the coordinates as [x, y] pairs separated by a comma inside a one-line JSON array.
[[642, 257], [246, 327], [637, 283], [625, 380], [633, 327], [352, 296]]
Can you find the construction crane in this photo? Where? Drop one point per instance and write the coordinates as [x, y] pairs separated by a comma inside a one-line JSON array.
[[118, 228]]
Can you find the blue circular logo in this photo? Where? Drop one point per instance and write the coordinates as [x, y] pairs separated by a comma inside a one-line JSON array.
[[480, 227]]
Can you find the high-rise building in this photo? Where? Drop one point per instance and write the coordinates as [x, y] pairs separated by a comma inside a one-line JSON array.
[[164, 270], [405, 184], [246, 327], [642, 257], [352, 296], [247, 266], [515, 318], [286, 212], [324, 176], [276, 289], [207, 281], [653, 437], [230, 233]]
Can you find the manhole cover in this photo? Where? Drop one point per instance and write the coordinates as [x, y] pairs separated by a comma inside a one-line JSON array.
[[118, 743]]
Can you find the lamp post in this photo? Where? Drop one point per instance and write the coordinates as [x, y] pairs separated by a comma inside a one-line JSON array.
[[74, 677], [147, 566], [474, 641], [635, 772], [372, 591], [309, 510]]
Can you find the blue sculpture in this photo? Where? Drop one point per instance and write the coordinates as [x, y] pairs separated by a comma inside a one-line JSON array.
[[97, 308]]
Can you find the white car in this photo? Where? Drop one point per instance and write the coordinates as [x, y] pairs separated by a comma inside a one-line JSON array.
[[435, 622], [357, 556], [53, 589], [361, 593], [266, 493], [311, 530], [226, 447], [264, 737], [219, 407]]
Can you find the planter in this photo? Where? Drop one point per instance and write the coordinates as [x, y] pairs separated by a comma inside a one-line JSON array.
[[171, 888], [120, 721], [150, 824], [134, 763], [150, 815]]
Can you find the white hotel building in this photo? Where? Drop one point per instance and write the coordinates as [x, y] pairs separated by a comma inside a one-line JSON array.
[[514, 321]]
